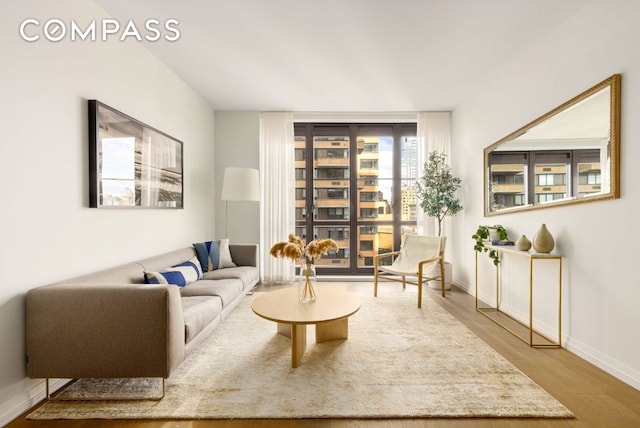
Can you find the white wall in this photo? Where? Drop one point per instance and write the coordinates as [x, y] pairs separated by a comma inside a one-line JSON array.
[[48, 233], [598, 240], [237, 145]]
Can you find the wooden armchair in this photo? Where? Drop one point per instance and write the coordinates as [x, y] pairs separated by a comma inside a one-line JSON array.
[[421, 257]]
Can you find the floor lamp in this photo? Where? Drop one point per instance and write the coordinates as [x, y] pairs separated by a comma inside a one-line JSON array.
[[239, 184]]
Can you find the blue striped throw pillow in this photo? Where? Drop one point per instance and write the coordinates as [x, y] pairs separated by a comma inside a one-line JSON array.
[[181, 274]]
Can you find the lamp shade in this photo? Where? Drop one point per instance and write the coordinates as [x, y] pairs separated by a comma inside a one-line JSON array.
[[241, 184]]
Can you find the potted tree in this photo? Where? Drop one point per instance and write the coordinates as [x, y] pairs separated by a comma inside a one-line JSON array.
[[436, 190]]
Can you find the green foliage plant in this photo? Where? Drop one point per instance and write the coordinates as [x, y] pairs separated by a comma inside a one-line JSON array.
[[436, 189], [482, 234]]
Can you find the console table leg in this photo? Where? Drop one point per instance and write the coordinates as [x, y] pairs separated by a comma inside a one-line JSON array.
[[531, 302]]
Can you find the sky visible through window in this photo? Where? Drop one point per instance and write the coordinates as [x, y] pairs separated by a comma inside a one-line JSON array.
[[118, 166], [385, 167]]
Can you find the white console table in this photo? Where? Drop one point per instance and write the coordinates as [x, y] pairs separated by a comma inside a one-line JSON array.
[[491, 311]]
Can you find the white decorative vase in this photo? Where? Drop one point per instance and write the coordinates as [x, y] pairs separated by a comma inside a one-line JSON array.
[[307, 282], [543, 240], [448, 274]]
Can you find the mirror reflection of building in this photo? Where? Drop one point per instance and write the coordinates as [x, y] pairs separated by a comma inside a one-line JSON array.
[[569, 155]]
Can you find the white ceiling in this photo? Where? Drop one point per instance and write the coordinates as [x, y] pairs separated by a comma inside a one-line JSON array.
[[344, 55]]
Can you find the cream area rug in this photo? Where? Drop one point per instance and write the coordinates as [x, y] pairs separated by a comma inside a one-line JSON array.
[[399, 361]]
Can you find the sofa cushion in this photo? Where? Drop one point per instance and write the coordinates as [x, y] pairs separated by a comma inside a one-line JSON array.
[[226, 289], [199, 311], [214, 255], [247, 274], [181, 274]]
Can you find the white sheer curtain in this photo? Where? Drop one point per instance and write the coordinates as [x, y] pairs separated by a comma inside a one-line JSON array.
[[434, 134], [277, 213]]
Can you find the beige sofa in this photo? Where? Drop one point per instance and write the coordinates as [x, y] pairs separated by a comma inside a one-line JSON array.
[[110, 324]]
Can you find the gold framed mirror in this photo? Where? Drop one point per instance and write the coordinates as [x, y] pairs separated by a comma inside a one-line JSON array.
[[567, 156]]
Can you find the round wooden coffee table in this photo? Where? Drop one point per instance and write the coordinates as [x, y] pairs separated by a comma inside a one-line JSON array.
[[330, 314]]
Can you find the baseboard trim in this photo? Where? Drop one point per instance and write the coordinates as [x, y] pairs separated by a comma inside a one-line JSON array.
[[21, 403], [613, 367]]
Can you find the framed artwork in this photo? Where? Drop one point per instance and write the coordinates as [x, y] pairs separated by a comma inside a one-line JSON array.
[[131, 165]]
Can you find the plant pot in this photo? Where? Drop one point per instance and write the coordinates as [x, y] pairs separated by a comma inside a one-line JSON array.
[[494, 235], [448, 274]]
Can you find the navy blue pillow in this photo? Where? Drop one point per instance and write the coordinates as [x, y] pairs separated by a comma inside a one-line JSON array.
[[214, 255]]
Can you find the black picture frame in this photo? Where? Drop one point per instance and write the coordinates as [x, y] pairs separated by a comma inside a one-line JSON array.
[[131, 164]]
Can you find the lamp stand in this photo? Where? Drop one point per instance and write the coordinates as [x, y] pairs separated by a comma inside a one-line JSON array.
[[226, 219]]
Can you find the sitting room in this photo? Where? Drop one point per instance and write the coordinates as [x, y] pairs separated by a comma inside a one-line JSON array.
[[333, 214]]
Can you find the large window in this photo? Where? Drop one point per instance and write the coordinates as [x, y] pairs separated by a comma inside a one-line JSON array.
[[362, 181]]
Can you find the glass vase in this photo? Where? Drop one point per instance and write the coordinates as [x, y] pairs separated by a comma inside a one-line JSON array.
[[307, 282]]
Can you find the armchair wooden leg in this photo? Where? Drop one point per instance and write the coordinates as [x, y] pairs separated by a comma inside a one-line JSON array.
[[375, 277], [375, 284], [442, 278], [404, 283], [420, 292]]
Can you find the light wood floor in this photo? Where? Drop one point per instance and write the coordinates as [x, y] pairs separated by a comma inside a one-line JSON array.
[[596, 398]]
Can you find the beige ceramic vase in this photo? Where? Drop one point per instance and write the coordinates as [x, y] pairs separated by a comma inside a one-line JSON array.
[[523, 244], [543, 240]]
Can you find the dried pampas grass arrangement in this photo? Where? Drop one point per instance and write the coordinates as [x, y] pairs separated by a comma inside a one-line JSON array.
[[295, 249]]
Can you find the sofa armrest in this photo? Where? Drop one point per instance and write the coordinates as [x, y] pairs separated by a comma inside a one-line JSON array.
[[244, 254], [101, 331]]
